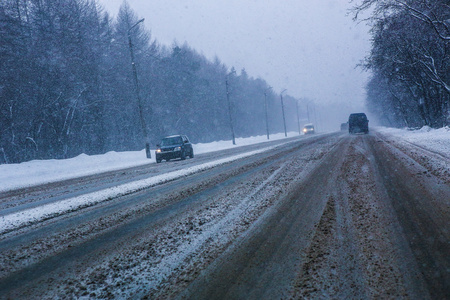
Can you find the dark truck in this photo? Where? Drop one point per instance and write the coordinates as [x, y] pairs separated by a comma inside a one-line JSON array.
[[357, 123]]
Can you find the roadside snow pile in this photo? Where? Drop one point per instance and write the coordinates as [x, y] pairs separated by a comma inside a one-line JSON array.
[[37, 172], [31, 215], [437, 140]]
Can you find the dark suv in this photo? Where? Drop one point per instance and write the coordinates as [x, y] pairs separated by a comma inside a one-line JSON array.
[[358, 123], [308, 129], [175, 146]]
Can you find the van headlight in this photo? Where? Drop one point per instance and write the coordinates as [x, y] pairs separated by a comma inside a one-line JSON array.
[[177, 149]]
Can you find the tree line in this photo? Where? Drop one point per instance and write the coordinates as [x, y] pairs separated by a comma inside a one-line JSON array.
[[409, 61], [67, 85]]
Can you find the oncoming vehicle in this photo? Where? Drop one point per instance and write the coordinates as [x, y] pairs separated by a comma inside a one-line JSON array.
[[308, 129], [358, 123], [175, 146]]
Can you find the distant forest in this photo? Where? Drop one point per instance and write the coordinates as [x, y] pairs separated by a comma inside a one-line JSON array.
[[409, 61], [67, 85]]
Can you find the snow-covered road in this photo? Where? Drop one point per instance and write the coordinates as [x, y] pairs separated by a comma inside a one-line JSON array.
[[326, 215], [27, 216]]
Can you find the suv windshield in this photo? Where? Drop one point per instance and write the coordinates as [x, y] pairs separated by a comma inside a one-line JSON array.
[[171, 141]]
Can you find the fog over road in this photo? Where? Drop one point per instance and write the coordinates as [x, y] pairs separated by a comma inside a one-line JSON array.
[[330, 215]]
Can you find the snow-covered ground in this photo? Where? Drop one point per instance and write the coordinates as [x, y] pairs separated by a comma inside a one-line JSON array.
[[35, 172], [44, 171], [156, 259], [39, 213], [437, 140]]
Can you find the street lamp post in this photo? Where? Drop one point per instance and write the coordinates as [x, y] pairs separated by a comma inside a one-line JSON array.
[[282, 109], [307, 112], [229, 108], [298, 118], [265, 106], [137, 90]]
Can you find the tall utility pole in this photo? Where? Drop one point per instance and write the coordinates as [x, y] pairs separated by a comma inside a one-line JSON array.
[[316, 120], [298, 118], [138, 94], [229, 108], [307, 112], [282, 109], [265, 106]]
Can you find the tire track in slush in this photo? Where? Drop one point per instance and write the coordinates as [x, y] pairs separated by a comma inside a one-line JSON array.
[[378, 237], [70, 257], [265, 262]]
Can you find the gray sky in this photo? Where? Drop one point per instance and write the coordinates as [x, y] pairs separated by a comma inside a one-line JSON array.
[[309, 47]]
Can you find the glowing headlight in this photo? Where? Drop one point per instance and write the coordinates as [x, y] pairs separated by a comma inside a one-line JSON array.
[[305, 130], [177, 149], [158, 150]]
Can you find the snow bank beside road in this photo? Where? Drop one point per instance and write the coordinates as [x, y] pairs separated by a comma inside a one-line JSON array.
[[37, 172], [437, 140], [21, 218]]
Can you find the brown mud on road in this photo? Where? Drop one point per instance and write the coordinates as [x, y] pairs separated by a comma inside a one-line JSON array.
[[359, 226], [360, 249], [332, 216]]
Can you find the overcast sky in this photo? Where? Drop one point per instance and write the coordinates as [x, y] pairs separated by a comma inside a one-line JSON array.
[[309, 47]]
